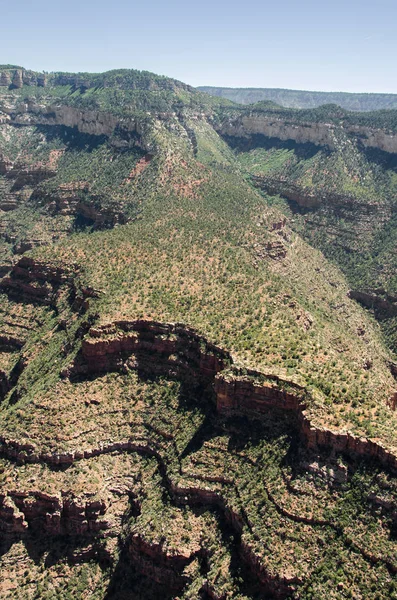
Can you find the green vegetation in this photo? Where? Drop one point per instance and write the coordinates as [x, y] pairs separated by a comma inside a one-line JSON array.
[[142, 211], [305, 99]]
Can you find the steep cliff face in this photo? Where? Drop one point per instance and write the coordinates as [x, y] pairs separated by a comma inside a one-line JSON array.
[[35, 281], [17, 78], [320, 134], [154, 349], [250, 453], [181, 352], [50, 515], [86, 121]]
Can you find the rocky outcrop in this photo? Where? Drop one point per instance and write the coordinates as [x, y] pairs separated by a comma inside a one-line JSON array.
[[82, 82], [179, 351], [246, 125], [5, 78], [247, 393], [76, 199], [17, 78], [36, 281], [62, 514], [165, 566], [32, 175], [4, 384], [124, 132], [318, 133], [149, 346], [383, 304], [304, 197]]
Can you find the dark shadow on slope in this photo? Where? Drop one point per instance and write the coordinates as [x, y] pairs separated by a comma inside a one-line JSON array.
[[303, 151], [72, 137], [127, 584]]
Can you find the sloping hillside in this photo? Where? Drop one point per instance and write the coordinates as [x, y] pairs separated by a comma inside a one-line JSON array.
[[192, 405]]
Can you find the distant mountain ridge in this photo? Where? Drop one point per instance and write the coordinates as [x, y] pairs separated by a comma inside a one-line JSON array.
[[304, 99]]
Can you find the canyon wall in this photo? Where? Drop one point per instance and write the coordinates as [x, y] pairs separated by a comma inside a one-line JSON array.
[[318, 133]]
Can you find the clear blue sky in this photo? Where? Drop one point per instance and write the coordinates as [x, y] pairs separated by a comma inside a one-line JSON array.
[[348, 45]]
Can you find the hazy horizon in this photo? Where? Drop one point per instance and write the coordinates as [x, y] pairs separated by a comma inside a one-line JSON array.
[[331, 48]]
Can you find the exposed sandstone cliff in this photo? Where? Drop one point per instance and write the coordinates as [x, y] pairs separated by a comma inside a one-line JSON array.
[[320, 134], [123, 131], [181, 351], [17, 78], [178, 351], [62, 514], [36, 281]]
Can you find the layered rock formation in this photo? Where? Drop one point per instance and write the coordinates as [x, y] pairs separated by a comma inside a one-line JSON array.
[[50, 515], [320, 134], [35, 281], [180, 352]]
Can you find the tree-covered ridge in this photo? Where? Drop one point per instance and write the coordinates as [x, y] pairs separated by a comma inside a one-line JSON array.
[[123, 91], [121, 78], [329, 113], [305, 99]]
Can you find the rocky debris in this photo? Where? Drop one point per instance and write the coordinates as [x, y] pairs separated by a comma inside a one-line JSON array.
[[141, 165], [305, 319], [276, 250], [279, 225]]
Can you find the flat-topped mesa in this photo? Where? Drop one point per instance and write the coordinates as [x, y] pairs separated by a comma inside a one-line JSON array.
[[126, 79], [319, 133]]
